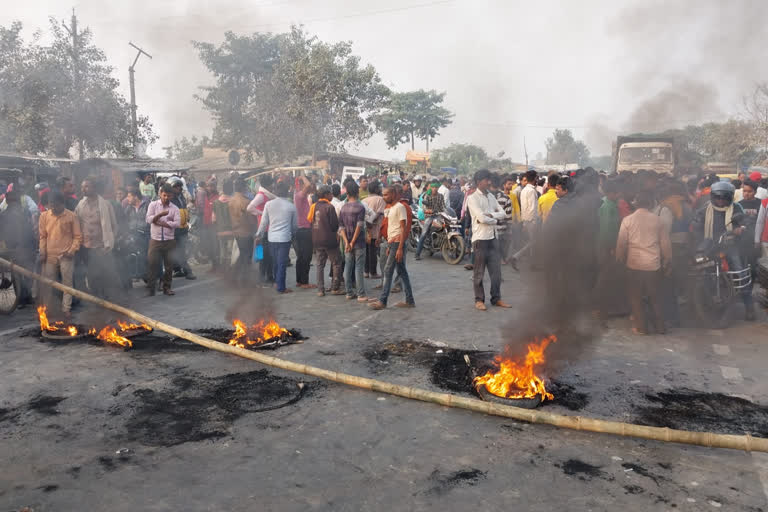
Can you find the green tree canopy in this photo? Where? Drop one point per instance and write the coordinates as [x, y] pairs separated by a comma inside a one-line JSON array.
[[562, 148], [57, 96], [283, 95], [185, 149], [413, 115], [468, 158]]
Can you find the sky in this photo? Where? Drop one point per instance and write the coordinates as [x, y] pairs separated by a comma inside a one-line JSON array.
[[513, 71]]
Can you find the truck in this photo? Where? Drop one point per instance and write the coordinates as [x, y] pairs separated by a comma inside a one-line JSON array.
[[633, 153]]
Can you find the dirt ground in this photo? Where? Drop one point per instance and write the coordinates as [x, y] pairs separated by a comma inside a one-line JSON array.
[[172, 426]]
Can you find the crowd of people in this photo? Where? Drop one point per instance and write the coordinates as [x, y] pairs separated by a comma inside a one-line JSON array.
[[607, 239]]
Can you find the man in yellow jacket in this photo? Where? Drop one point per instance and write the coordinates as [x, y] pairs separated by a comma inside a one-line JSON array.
[[548, 198]]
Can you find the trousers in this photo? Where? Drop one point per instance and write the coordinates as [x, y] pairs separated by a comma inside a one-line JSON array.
[[325, 254], [161, 250], [51, 270], [487, 256], [303, 247], [645, 284]]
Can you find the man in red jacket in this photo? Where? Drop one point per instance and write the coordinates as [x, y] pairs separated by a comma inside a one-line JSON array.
[[325, 240]]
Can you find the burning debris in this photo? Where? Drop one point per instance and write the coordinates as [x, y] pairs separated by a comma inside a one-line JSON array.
[[57, 329], [116, 335], [262, 335], [514, 381], [110, 335]]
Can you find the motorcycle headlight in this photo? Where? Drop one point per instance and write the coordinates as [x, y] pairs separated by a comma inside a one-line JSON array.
[[700, 259]]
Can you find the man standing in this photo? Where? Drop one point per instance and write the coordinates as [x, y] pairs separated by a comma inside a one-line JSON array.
[[397, 219], [445, 190], [163, 218], [548, 198], [17, 232], [137, 228], [60, 239], [376, 204], [147, 187], [67, 188], [256, 208], [352, 231], [325, 240], [303, 237], [98, 226], [242, 229], [485, 213], [279, 222], [529, 215], [643, 245], [182, 232], [434, 205], [204, 202], [363, 187]]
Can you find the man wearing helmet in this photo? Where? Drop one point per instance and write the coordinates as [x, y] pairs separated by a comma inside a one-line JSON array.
[[716, 218]]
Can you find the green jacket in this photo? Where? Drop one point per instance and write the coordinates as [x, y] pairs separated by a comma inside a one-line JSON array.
[[609, 224]]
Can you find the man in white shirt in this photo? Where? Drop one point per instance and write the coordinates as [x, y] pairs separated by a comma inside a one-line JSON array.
[[486, 213], [529, 214], [445, 190]]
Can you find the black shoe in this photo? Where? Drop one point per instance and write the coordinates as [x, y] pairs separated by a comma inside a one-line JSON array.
[[417, 257]]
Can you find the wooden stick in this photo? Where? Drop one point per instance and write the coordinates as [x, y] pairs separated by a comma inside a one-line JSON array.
[[745, 442]]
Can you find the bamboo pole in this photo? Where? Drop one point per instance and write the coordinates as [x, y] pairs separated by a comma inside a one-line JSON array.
[[739, 442]]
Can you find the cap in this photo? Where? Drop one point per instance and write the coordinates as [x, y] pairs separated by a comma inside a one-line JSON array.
[[755, 176]]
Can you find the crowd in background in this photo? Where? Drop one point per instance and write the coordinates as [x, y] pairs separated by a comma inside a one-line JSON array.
[[608, 238]]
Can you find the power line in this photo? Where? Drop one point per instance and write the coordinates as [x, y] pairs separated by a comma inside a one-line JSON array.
[[355, 15]]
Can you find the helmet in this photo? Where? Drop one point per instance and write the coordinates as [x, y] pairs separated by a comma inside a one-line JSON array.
[[173, 180], [722, 190]]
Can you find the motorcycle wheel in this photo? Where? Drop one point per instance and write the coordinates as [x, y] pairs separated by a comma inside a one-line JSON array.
[[453, 250], [709, 310], [413, 237]]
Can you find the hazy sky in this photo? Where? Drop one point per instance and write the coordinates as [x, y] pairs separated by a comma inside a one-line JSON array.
[[511, 69]]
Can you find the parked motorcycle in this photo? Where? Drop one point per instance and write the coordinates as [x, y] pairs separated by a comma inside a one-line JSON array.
[[714, 286], [445, 236]]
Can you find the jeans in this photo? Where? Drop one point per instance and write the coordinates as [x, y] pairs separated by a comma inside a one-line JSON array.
[[402, 272], [279, 258], [180, 253], [324, 254], [100, 272], [424, 234], [487, 255], [354, 263], [303, 246], [210, 243]]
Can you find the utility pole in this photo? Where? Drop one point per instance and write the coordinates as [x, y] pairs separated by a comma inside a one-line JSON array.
[[525, 148], [131, 68], [76, 72]]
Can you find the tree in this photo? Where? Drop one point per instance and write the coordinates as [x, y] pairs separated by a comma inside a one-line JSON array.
[[412, 115], [467, 158], [562, 148], [185, 149], [280, 96], [61, 95], [756, 107]]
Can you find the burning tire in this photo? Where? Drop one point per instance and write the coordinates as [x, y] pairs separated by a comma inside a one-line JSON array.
[[524, 403]]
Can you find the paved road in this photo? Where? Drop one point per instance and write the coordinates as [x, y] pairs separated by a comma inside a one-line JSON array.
[[198, 430]]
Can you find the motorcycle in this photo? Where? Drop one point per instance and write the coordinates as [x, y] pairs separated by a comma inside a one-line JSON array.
[[445, 236], [714, 287]]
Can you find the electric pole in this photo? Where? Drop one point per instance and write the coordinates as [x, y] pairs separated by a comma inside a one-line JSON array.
[[76, 72], [525, 148], [131, 68]]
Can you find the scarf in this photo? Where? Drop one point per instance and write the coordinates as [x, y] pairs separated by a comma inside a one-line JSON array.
[[311, 216], [709, 219]]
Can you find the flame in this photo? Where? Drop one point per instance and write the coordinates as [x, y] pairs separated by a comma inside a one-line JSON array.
[[109, 334], [261, 331], [125, 326], [45, 325], [517, 379]]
